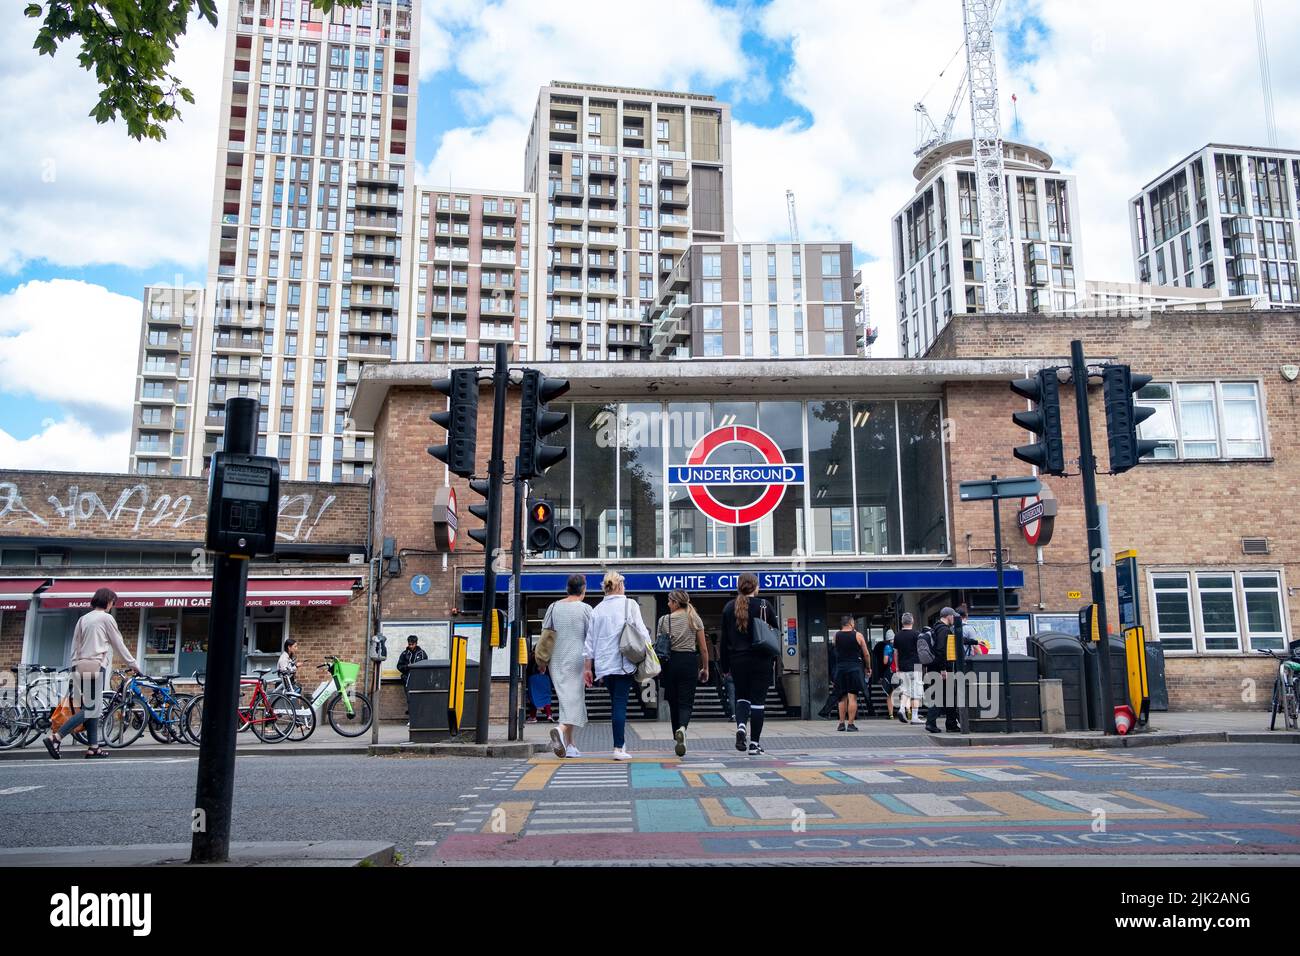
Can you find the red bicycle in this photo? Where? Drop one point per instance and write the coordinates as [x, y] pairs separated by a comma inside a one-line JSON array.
[[271, 718]]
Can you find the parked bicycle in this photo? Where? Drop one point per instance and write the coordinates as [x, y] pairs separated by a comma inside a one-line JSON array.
[[140, 702], [1286, 688], [25, 708], [300, 707], [271, 718], [347, 709]]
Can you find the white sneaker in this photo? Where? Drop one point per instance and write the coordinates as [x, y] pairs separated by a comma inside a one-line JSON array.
[[742, 738], [680, 738], [620, 753], [557, 745], [572, 751]]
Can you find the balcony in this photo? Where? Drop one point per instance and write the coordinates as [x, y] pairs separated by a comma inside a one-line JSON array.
[[616, 314], [602, 170], [456, 306], [669, 244], [569, 214], [573, 189], [674, 197], [215, 421], [151, 450], [384, 324], [230, 343], [356, 451], [667, 153], [385, 274], [385, 303], [376, 202], [441, 330], [159, 369], [608, 265], [597, 287], [457, 280], [164, 396], [164, 343], [566, 312], [504, 308], [673, 222], [371, 249], [608, 240], [381, 224], [604, 215], [573, 286], [165, 318], [556, 144], [502, 211], [568, 237], [489, 333], [375, 173], [503, 257], [674, 172], [497, 280], [372, 349], [564, 336], [493, 235], [252, 373]]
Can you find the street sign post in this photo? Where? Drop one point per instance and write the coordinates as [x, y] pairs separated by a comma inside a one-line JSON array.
[[995, 489]]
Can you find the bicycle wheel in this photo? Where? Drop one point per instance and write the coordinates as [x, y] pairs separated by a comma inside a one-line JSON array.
[[1290, 709], [192, 719], [108, 700], [14, 722], [267, 723], [1276, 704], [123, 724], [304, 717], [284, 708], [349, 725], [166, 731]]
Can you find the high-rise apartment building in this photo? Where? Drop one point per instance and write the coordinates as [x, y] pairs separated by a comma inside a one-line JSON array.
[[625, 180], [1223, 218], [163, 425], [938, 254], [755, 300], [308, 275], [474, 253]]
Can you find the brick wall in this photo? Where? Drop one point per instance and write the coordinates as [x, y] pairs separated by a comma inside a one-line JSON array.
[[131, 509], [11, 640], [1176, 514]]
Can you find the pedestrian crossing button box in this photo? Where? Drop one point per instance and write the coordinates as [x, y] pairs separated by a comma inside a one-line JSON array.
[[243, 504]]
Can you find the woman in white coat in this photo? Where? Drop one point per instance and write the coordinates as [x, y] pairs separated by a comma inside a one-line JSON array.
[[605, 662]]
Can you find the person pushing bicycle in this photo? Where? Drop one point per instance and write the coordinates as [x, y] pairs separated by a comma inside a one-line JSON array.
[[287, 666]]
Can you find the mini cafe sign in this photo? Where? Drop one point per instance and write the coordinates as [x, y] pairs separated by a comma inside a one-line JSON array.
[[1037, 516]]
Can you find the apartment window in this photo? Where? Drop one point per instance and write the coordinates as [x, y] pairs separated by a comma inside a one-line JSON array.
[[1208, 611], [832, 290], [771, 290], [830, 263], [711, 265], [712, 318], [1204, 419], [712, 290], [747, 290], [745, 265]]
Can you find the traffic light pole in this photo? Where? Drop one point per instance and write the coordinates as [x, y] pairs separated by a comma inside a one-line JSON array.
[[496, 475], [1096, 559], [1002, 613], [214, 790], [516, 628]]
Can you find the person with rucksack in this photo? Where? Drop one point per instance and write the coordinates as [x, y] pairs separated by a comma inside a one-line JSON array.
[[950, 653], [749, 666], [906, 642]]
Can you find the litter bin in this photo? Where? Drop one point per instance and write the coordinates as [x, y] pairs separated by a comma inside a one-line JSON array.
[[1156, 686], [429, 690], [1060, 657], [1026, 708], [1118, 680]]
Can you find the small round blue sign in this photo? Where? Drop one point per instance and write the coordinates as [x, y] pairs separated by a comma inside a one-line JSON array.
[[420, 584], [790, 652]]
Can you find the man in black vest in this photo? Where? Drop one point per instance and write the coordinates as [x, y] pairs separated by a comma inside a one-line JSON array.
[[413, 654]]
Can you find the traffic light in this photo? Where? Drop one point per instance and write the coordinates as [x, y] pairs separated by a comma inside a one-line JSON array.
[[460, 419], [542, 535], [1119, 385], [541, 526], [536, 422], [1044, 390], [480, 486]]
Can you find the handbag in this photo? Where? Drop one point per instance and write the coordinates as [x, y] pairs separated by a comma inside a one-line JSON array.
[[649, 668], [630, 642], [546, 643], [663, 639], [61, 714], [765, 636]]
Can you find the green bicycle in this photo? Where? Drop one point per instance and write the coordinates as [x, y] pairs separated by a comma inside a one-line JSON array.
[[347, 709]]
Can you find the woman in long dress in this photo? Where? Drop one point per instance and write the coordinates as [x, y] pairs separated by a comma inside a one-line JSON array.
[[568, 618]]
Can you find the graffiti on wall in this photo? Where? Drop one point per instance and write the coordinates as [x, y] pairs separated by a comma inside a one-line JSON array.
[[137, 509]]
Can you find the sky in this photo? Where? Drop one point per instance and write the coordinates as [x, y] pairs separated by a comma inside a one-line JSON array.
[[821, 94]]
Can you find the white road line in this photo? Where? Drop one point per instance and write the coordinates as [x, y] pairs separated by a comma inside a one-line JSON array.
[[581, 832], [566, 811], [584, 803], [10, 791], [444, 824], [426, 842]]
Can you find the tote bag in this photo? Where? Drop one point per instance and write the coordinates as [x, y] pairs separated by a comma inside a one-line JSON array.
[[766, 638]]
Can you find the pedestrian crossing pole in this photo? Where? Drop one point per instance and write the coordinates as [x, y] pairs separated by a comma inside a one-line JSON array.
[[515, 731]]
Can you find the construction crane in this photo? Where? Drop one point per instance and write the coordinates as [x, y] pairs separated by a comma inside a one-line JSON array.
[[794, 221], [986, 143], [928, 133]]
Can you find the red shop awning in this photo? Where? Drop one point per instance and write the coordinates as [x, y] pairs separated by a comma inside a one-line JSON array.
[[75, 593], [16, 593]]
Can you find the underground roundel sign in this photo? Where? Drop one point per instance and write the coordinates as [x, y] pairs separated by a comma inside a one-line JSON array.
[[736, 475]]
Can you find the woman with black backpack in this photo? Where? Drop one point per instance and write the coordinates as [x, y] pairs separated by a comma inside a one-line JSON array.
[[749, 667]]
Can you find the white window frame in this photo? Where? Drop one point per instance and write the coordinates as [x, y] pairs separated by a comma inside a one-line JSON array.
[[1192, 574], [1175, 402]]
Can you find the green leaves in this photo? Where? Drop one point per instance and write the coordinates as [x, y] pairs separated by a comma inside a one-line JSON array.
[[129, 45]]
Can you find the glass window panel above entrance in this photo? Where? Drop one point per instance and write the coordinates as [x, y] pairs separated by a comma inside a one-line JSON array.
[[824, 477]]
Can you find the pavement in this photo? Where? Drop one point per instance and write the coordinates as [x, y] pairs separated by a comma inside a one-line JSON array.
[[295, 853], [1166, 728]]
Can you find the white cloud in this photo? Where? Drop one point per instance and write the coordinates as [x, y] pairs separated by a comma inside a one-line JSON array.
[[74, 344], [68, 445], [437, 20], [76, 193], [489, 157]]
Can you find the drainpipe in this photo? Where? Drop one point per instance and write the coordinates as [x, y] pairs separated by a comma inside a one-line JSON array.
[[371, 623]]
